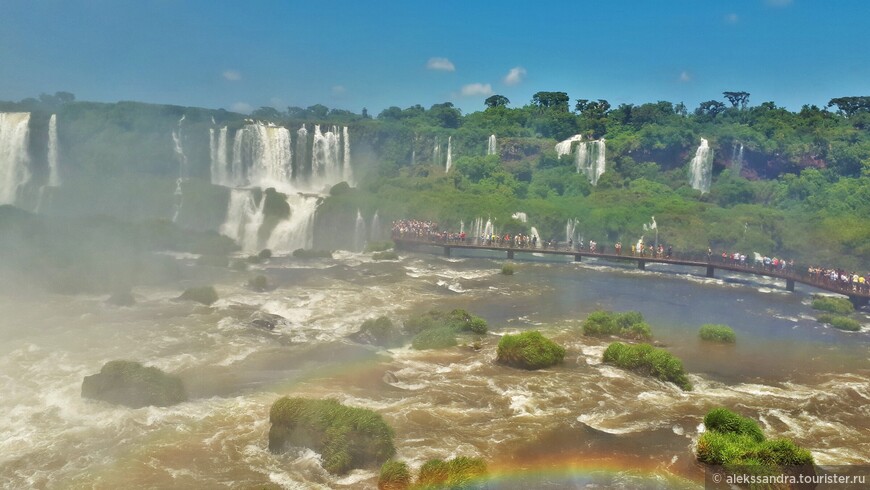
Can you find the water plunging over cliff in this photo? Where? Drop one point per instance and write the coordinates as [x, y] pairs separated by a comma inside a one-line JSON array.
[[589, 156], [53, 172], [491, 148], [14, 158], [701, 168], [449, 153]]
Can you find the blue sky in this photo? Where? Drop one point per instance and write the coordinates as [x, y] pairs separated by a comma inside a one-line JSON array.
[[354, 54]]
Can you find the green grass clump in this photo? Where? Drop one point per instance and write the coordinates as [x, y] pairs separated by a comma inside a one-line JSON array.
[[845, 323], [302, 253], [841, 306], [648, 360], [735, 441], [346, 437], [435, 338], [508, 269], [390, 255], [379, 246], [455, 322], [379, 331], [458, 472], [394, 475], [717, 333], [529, 350], [134, 385], [205, 295], [629, 324]]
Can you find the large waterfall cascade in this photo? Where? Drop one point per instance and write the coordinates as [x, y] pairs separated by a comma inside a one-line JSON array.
[[449, 154], [14, 158], [701, 168], [589, 156], [178, 196], [491, 146], [262, 156], [53, 171]]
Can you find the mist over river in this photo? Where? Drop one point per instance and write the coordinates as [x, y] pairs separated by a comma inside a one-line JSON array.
[[575, 424]]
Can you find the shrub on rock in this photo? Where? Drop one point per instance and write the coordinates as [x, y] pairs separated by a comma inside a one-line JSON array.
[[390, 255], [717, 333], [831, 304], [648, 360], [629, 324], [134, 385], [435, 338], [735, 441], [435, 329], [379, 331], [458, 472], [205, 295], [346, 437], [841, 322], [508, 269], [529, 350], [394, 475], [379, 246]]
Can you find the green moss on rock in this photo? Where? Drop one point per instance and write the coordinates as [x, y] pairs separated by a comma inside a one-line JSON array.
[[134, 385], [629, 325], [394, 475], [435, 338], [437, 329], [459, 472], [717, 333], [648, 360], [529, 350], [346, 437], [204, 294], [379, 331], [379, 246], [737, 442], [508, 269], [840, 306], [390, 255]]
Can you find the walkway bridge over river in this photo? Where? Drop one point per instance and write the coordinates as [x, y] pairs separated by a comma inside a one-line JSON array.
[[790, 277]]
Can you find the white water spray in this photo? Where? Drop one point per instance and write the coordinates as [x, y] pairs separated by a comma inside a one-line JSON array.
[[359, 232], [701, 168], [491, 148], [375, 229], [591, 159], [53, 173], [14, 158], [449, 153]]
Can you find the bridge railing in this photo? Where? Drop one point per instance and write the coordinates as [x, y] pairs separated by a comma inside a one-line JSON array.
[[796, 272]]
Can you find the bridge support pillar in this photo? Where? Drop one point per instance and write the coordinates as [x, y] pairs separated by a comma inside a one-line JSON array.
[[710, 271], [578, 257], [789, 285], [510, 254], [447, 251], [859, 301], [641, 264]]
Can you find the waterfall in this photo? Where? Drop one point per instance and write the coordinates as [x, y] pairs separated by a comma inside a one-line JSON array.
[[303, 166], [701, 168], [436, 153], [520, 216], [347, 171], [639, 245], [14, 159], [737, 160], [461, 226], [488, 229], [570, 229], [244, 218], [359, 232], [449, 153], [218, 154], [375, 230], [325, 158], [534, 233], [53, 174], [564, 147], [591, 159], [178, 196], [296, 232], [491, 148]]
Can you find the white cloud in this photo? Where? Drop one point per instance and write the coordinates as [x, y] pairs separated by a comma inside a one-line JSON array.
[[515, 75], [477, 89], [778, 3], [241, 107], [732, 18], [685, 76], [232, 75], [441, 64], [338, 90]]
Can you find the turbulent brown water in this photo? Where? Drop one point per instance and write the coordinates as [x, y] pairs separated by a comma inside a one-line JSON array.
[[576, 424]]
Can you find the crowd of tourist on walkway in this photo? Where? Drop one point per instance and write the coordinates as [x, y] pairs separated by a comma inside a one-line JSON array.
[[428, 231]]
